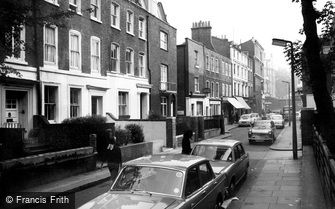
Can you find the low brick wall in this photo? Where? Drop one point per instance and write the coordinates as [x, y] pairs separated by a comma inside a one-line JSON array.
[[133, 151], [19, 174]]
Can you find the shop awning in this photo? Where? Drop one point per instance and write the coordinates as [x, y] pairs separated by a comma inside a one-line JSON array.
[[241, 100], [235, 103]]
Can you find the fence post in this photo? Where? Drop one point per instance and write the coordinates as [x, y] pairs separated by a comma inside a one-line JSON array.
[[306, 122], [171, 132], [93, 141]]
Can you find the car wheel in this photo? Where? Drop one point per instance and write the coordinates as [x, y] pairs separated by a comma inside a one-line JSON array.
[[218, 203], [231, 188]]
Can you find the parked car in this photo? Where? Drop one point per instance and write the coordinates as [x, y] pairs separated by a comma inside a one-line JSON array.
[[164, 181], [298, 115], [263, 130], [278, 120], [246, 120], [226, 156], [255, 116]]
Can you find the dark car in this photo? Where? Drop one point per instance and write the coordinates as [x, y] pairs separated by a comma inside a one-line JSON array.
[[226, 156], [263, 130], [164, 181]]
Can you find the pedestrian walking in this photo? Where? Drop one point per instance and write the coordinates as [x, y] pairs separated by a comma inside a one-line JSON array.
[[113, 155], [186, 144]]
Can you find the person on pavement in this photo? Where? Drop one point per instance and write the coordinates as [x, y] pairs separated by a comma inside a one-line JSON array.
[[113, 155], [186, 144]]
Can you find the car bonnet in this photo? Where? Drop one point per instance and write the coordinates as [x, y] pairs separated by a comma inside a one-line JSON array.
[[135, 200]]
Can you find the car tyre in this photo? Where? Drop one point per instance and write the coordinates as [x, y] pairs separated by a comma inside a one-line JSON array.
[[231, 188], [218, 203]]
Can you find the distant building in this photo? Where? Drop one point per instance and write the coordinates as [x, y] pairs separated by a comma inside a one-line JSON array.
[[204, 75], [256, 52]]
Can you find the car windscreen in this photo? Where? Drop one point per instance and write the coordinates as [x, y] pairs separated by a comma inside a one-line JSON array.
[[276, 117], [262, 125], [213, 152], [150, 179], [245, 116]]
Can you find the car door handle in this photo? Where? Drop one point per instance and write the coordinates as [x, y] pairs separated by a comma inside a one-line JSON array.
[[215, 183]]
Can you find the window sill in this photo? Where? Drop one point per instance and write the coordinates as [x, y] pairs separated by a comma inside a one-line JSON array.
[[16, 61], [131, 34], [143, 39], [96, 20], [78, 13], [50, 64], [116, 28], [55, 4]]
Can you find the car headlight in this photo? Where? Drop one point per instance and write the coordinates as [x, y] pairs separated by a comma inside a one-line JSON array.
[[270, 132]]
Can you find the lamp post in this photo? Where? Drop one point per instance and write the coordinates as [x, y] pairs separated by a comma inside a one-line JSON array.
[[289, 102], [283, 43]]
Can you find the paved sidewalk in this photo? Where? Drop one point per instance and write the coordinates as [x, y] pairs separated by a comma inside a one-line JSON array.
[[279, 182], [284, 139]]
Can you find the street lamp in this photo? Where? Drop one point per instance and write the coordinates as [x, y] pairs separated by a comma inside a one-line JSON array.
[[283, 43], [289, 102]]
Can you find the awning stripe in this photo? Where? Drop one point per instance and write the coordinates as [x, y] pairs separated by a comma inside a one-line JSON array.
[[241, 100], [235, 103]]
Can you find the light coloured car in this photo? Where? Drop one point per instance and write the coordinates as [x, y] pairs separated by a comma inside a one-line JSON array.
[[298, 115], [226, 156], [246, 120], [278, 120], [263, 130], [255, 116], [164, 181]]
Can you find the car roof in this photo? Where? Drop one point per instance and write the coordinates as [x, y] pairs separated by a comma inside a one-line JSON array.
[[218, 141], [175, 161]]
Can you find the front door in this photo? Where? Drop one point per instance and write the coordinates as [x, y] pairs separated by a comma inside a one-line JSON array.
[[11, 110]]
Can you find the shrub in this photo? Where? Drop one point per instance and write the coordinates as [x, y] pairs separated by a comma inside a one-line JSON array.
[[122, 136], [136, 131], [93, 120]]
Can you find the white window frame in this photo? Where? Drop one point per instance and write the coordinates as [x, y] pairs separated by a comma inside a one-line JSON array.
[[22, 56], [217, 89], [116, 9], [122, 105], [164, 77], [129, 63], [207, 62], [163, 40], [56, 102], [115, 58], [98, 7], [224, 89], [141, 64], [76, 33], [196, 84], [164, 106], [95, 39], [142, 28], [77, 5], [78, 105], [130, 22], [46, 62]]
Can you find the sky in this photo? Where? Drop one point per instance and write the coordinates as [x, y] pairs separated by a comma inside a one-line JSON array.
[[240, 20]]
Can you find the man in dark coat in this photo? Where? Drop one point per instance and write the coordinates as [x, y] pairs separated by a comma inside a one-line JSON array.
[[113, 155], [186, 144]]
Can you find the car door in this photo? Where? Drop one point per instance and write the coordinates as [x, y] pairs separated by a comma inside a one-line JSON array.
[[200, 190], [238, 163], [244, 159]]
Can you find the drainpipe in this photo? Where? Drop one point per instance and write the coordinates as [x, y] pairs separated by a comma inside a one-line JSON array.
[[148, 60], [37, 58]]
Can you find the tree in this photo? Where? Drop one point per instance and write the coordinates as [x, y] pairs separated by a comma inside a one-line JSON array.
[[316, 67]]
